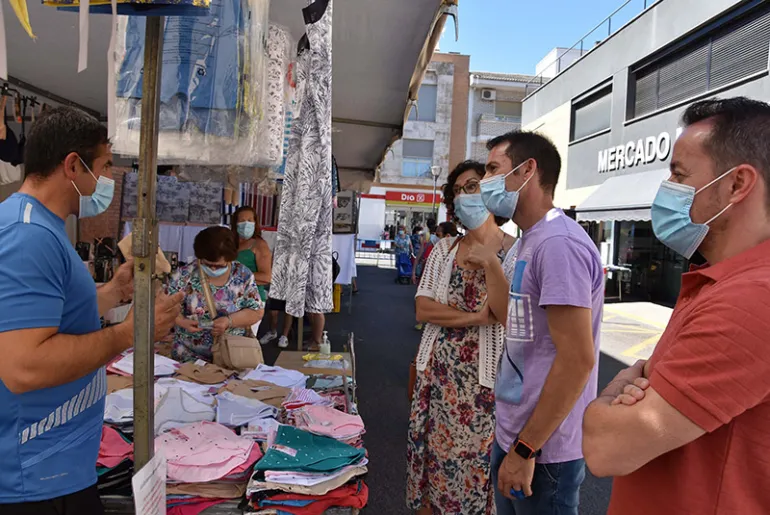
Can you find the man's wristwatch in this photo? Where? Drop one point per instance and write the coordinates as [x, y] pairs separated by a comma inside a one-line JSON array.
[[525, 450]]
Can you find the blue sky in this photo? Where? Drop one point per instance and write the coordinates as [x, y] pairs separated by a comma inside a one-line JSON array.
[[512, 36]]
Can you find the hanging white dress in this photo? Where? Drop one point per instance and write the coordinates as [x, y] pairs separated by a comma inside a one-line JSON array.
[[302, 262]]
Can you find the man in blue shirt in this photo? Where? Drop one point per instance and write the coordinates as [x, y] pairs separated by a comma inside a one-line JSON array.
[[52, 378]]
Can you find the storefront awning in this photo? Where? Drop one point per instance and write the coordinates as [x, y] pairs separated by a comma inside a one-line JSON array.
[[379, 49], [626, 197]]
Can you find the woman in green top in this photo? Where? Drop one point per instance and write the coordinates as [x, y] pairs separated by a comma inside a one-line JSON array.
[[253, 251]]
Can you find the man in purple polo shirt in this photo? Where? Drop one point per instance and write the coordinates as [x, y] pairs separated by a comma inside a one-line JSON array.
[[548, 372]]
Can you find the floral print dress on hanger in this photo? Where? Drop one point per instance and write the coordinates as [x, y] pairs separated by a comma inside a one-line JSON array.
[[452, 424], [239, 292]]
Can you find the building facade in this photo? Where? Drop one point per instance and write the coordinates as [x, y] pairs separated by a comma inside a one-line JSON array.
[[434, 141], [494, 104], [614, 116]]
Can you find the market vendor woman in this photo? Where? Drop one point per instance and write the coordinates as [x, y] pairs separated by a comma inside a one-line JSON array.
[[253, 251], [233, 289]]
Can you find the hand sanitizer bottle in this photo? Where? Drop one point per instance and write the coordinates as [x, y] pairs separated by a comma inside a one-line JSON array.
[[326, 346]]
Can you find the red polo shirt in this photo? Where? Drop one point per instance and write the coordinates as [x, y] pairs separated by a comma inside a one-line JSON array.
[[713, 365]]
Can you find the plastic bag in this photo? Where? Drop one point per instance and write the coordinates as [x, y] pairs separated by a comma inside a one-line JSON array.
[[212, 85]]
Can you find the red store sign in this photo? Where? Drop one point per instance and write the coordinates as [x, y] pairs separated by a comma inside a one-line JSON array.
[[410, 197]]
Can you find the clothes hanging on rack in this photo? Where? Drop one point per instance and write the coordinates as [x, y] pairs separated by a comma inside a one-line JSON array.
[[302, 267], [278, 52]]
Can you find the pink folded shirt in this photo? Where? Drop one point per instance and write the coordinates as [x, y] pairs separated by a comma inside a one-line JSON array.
[[202, 452], [113, 449], [323, 420]]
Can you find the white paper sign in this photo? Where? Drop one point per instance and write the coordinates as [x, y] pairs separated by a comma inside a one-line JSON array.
[[149, 487]]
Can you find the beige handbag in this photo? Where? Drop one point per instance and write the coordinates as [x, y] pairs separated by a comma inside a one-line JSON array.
[[230, 351]]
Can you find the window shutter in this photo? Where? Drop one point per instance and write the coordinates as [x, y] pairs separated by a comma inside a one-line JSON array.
[[684, 77], [593, 116], [741, 52], [646, 100]]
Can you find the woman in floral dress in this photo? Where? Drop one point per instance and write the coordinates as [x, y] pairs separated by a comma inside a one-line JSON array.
[[233, 289], [451, 427]]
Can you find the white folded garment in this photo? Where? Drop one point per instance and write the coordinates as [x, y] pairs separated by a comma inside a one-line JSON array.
[[277, 376], [163, 366], [261, 429], [236, 410], [119, 407], [202, 392], [178, 408], [308, 478]]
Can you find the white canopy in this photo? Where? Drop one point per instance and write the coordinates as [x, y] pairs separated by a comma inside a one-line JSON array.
[[379, 51], [623, 198]]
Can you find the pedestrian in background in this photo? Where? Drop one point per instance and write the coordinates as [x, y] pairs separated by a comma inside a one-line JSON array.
[[461, 297], [548, 373], [687, 431]]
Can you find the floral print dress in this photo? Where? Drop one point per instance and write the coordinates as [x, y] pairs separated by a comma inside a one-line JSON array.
[[452, 425], [239, 292]]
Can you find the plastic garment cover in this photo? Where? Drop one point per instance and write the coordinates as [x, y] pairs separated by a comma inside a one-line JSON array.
[[212, 85]]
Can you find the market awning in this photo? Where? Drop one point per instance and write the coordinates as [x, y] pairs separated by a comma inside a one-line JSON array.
[[378, 48], [626, 197]]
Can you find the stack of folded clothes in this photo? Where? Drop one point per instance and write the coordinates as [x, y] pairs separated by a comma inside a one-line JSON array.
[[124, 365], [277, 376], [327, 421], [353, 495], [115, 464], [268, 393], [236, 411], [207, 463], [300, 397], [317, 470]]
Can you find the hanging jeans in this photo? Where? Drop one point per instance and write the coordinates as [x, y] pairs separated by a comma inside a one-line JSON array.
[[302, 260]]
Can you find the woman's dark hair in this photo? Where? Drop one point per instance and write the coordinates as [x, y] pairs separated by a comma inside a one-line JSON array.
[[448, 228], [416, 230], [214, 243], [234, 222], [449, 193]]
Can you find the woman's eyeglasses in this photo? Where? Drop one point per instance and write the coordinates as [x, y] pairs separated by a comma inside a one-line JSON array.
[[471, 188]]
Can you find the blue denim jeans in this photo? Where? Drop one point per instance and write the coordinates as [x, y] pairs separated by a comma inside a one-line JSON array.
[[555, 488]]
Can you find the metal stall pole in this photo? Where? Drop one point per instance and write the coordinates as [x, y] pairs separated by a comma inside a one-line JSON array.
[[145, 244]]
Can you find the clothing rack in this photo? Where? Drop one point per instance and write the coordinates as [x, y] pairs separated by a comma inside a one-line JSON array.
[[23, 102]]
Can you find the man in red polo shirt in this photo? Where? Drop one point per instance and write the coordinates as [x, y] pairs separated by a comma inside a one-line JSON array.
[[688, 432]]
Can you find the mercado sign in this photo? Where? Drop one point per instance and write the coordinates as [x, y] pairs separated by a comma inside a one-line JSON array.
[[636, 153]]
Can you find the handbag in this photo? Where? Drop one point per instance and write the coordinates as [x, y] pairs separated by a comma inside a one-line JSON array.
[[230, 351], [413, 365]]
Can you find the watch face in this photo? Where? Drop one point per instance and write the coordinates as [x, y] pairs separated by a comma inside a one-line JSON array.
[[523, 450]]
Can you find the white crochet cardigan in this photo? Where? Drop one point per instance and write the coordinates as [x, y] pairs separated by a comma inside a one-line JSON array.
[[435, 285]]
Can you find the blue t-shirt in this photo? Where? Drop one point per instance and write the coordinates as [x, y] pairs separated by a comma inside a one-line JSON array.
[[49, 439]]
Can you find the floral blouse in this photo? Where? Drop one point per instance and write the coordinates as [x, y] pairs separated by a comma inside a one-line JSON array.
[[240, 292]]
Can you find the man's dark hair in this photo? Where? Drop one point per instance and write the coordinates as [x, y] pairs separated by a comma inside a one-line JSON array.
[[431, 223], [740, 133], [216, 242], [57, 133], [448, 228], [523, 145]]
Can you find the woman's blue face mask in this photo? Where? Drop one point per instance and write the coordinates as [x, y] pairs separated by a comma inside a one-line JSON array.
[[215, 270]]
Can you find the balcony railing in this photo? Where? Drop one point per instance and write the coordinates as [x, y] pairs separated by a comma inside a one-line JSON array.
[[595, 36], [492, 125]]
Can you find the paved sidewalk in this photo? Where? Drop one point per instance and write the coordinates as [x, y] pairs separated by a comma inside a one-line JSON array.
[[630, 331]]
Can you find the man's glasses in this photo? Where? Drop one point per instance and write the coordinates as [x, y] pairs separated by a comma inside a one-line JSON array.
[[471, 188]]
